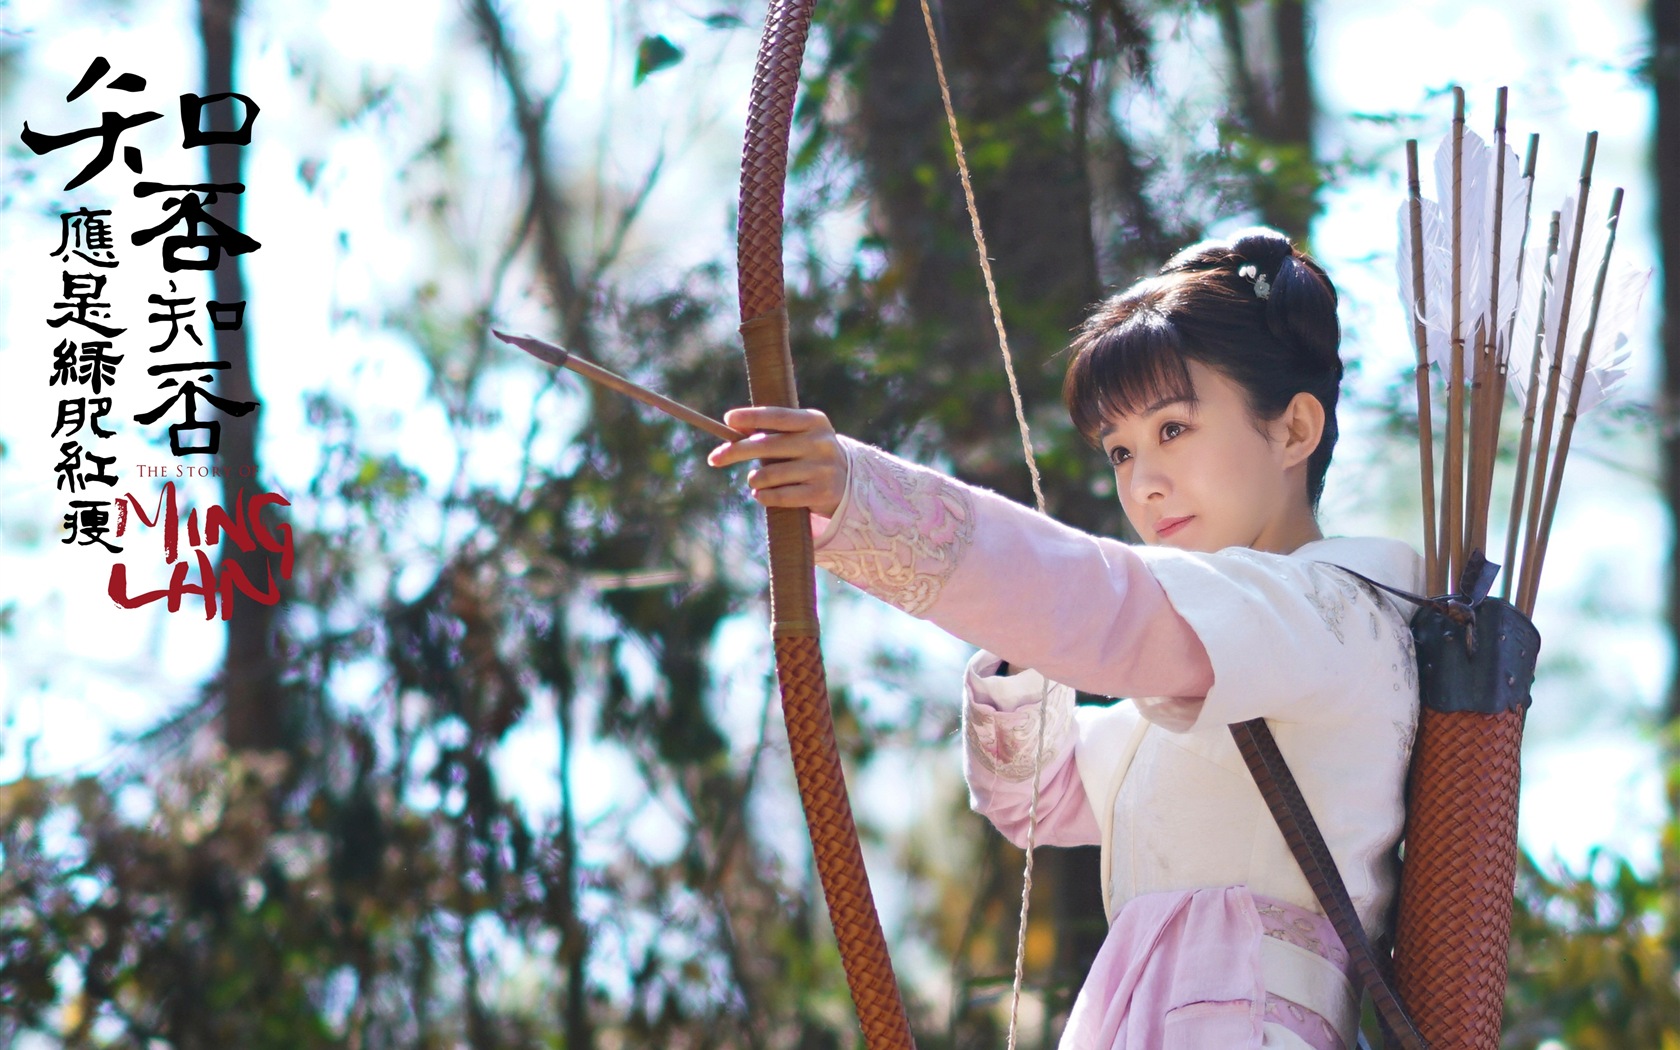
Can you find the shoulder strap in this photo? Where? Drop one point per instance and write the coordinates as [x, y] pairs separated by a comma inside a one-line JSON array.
[[1283, 797]]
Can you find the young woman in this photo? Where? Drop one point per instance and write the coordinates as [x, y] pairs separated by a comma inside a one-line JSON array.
[[1211, 389]]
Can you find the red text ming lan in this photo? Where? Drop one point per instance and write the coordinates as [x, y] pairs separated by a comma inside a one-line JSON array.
[[245, 529]]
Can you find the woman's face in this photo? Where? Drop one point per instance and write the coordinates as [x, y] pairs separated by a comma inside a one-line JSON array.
[[1204, 474]]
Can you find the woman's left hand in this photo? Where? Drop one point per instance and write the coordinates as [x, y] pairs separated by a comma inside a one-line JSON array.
[[802, 462]]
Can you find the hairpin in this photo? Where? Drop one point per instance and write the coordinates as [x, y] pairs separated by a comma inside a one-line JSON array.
[[1252, 274]]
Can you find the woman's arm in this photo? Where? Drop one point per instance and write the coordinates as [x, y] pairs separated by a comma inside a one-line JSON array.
[[1249, 634], [1227, 636], [1080, 609], [1037, 593]]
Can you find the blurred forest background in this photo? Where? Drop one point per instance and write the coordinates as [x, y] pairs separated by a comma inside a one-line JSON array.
[[504, 768]]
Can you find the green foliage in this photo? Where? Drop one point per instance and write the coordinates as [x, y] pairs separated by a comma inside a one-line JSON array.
[[1595, 956], [214, 920], [655, 53]]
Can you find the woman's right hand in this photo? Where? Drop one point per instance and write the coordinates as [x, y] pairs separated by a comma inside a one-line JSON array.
[[801, 461]]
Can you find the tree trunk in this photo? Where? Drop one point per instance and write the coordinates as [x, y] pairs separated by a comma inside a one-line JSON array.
[[573, 950], [253, 713], [1034, 202], [1291, 204], [1277, 112], [549, 213], [1665, 68]]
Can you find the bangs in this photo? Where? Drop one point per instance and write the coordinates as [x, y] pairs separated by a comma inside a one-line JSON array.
[[1127, 357]]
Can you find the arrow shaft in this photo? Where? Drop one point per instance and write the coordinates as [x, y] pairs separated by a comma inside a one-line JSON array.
[[559, 357]]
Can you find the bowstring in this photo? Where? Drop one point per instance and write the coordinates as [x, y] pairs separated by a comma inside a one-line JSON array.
[[1037, 487]]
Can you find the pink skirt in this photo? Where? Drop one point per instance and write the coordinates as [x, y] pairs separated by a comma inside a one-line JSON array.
[[1188, 970]]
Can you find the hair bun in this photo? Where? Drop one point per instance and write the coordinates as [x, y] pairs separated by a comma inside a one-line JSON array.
[[1263, 246], [1300, 300]]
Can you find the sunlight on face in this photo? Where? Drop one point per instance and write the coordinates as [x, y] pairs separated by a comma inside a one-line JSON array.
[[1204, 475]]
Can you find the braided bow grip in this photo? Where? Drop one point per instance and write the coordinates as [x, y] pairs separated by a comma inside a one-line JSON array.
[[793, 608]]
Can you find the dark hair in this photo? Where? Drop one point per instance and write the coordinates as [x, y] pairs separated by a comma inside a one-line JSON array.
[[1254, 308]]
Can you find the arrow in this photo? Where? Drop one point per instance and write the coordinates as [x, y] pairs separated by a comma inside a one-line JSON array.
[[548, 353]]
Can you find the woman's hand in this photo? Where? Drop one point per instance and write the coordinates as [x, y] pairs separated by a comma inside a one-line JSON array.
[[802, 463]]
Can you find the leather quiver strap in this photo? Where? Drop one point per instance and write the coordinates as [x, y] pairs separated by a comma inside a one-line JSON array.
[[1283, 797]]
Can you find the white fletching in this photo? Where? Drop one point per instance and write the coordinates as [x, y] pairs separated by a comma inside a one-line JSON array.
[[1473, 230], [1561, 288], [1434, 316], [1624, 290], [1480, 179], [1519, 192], [1536, 284], [1608, 358]]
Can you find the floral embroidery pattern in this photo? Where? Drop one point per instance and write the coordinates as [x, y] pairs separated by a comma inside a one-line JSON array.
[[903, 533], [1316, 935], [1004, 742], [1303, 1022], [1302, 929], [1408, 657], [1331, 596], [1333, 609]]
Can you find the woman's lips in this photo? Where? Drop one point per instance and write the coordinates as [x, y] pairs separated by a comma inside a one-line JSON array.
[[1167, 526]]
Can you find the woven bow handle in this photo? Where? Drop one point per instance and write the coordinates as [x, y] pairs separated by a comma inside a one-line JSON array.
[[793, 605]]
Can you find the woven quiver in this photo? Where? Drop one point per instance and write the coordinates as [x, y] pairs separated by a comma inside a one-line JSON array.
[[1457, 880]]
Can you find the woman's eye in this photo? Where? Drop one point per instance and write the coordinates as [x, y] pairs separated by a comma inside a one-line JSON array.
[[1172, 430], [1118, 455]]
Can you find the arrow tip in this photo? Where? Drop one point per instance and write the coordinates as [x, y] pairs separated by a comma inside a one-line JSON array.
[[541, 350]]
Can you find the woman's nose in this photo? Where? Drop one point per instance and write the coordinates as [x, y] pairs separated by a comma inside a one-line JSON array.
[[1149, 480]]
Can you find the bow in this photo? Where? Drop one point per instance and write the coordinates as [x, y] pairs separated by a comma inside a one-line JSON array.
[[793, 611]]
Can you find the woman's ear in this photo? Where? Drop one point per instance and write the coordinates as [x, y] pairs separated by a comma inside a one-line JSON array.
[[1300, 428]]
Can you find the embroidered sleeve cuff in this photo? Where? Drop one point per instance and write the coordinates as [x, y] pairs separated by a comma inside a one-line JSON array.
[[985, 687], [1004, 740], [900, 529]]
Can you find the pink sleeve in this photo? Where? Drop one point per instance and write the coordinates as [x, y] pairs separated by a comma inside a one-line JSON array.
[[1081, 609], [1001, 732]]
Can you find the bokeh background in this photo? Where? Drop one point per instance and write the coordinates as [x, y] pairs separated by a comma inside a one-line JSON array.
[[503, 768]]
